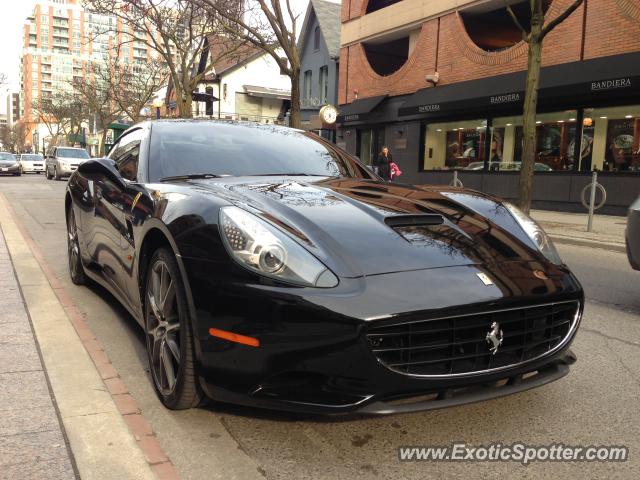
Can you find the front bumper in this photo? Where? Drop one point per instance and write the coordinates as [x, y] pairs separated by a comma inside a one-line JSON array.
[[9, 170], [314, 356], [66, 171], [32, 168]]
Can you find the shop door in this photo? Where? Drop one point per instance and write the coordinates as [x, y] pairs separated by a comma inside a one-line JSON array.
[[370, 143]]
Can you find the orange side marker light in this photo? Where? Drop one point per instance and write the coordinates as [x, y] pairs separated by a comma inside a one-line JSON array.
[[234, 337]]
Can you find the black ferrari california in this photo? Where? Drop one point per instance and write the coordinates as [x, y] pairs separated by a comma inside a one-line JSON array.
[[270, 268]]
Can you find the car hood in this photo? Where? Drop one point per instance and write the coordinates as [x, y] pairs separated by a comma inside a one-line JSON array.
[[7, 163], [357, 226]]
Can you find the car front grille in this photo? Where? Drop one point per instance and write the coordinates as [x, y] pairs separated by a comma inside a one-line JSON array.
[[459, 344]]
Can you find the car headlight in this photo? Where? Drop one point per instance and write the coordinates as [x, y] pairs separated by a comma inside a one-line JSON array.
[[264, 249], [535, 233]]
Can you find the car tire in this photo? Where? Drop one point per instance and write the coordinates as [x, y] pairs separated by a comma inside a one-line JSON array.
[[76, 270], [55, 173], [169, 334]]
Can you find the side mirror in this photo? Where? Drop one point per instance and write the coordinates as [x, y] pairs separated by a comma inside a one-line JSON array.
[[97, 168]]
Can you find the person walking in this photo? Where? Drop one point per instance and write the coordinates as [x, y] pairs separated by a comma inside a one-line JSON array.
[[383, 163]]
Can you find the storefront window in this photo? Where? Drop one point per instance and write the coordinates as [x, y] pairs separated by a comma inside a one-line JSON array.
[[615, 136], [455, 145], [555, 142]]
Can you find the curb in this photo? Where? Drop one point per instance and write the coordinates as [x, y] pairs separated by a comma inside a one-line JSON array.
[[158, 461], [583, 242]]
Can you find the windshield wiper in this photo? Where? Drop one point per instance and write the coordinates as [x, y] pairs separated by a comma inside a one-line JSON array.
[[191, 176]]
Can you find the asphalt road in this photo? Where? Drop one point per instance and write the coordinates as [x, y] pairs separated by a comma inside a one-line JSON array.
[[597, 404]]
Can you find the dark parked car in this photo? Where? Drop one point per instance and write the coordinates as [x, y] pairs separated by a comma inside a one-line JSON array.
[[632, 234], [270, 268], [9, 164]]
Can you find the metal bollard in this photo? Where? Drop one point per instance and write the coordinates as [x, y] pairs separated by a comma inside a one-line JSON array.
[[591, 206], [592, 200], [456, 181]]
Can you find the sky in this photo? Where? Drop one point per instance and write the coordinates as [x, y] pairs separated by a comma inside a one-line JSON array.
[[14, 13]]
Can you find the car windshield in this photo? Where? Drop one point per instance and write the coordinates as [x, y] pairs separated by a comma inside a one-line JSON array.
[[189, 148], [31, 157], [72, 153], [7, 156]]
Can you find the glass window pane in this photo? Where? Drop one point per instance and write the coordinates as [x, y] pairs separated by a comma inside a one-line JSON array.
[[555, 140], [616, 138], [458, 144]]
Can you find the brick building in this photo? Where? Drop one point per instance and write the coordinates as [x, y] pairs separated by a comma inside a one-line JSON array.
[[442, 84]]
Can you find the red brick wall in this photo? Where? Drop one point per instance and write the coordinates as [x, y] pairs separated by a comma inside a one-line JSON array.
[[353, 9], [612, 26]]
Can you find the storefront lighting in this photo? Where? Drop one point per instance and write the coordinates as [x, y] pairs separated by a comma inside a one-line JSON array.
[[439, 130], [572, 119], [587, 122], [603, 117], [538, 122], [509, 124], [560, 121], [628, 116]]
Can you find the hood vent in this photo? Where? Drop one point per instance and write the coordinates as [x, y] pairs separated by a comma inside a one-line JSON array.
[[396, 221]]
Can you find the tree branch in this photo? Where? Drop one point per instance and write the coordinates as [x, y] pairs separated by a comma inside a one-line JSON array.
[[560, 18], [525, 34]]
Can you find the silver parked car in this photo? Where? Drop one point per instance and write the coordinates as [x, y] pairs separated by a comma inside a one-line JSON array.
[[9, 164], [632, 234], [31, 163], [63, 161]]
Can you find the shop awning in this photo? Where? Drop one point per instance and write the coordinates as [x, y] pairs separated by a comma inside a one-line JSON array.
[[265, 92], [359, 109], [577, 82]]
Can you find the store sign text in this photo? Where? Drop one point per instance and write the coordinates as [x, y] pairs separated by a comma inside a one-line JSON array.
[[509, 98], [429, 108], [611, 84], [351, 118]]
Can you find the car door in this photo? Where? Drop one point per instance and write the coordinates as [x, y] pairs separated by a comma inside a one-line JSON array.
[[132, 210], [107, 224]]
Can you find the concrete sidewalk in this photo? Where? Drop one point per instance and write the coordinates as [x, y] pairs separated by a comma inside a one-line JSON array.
[[107, 436], [571, 228], [32, 441]]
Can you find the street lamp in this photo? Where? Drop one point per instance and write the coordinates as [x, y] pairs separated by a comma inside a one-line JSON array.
[[158, 103]]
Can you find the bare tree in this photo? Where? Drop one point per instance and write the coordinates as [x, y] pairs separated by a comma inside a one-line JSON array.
[[270, 25], [96, 93], [177, 30], [62, 113], [534, 37], [133, 86], [13, 138]]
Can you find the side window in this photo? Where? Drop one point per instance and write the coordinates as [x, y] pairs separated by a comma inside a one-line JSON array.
[[126, 154]]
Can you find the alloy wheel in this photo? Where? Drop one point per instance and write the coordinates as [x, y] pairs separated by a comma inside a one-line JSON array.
[[72, 245], [163, 328]]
